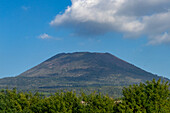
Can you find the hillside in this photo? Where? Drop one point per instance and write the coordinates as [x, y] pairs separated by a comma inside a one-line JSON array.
[[80, 70]]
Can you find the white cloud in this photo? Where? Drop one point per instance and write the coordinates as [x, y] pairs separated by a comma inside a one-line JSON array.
[[44, 36], [131, 17], [47, 36]]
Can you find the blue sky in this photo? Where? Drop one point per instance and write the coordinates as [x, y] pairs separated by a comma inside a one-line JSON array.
[[32, 31]]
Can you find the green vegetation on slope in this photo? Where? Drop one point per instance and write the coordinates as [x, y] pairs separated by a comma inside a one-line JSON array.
[[151, 97]]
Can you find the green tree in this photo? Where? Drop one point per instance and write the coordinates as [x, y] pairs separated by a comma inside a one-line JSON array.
[[151, 97]]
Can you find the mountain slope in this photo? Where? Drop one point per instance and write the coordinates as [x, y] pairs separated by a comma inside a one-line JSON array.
[[79, 70], [83, 64]]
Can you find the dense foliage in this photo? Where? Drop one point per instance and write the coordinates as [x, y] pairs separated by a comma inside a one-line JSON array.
[[68, 102], [152, 97]]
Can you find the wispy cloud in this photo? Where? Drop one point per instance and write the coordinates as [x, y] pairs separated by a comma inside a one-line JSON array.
[[133, 18], [44, 36], [25, 8], [163, 38]]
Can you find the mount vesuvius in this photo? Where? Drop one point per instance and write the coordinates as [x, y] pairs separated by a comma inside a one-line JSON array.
[[79, 70]]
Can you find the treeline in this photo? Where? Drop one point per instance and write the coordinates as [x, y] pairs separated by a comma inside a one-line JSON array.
[[150, 97]]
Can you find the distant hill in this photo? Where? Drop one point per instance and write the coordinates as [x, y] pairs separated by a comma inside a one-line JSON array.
[[80, 70]]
